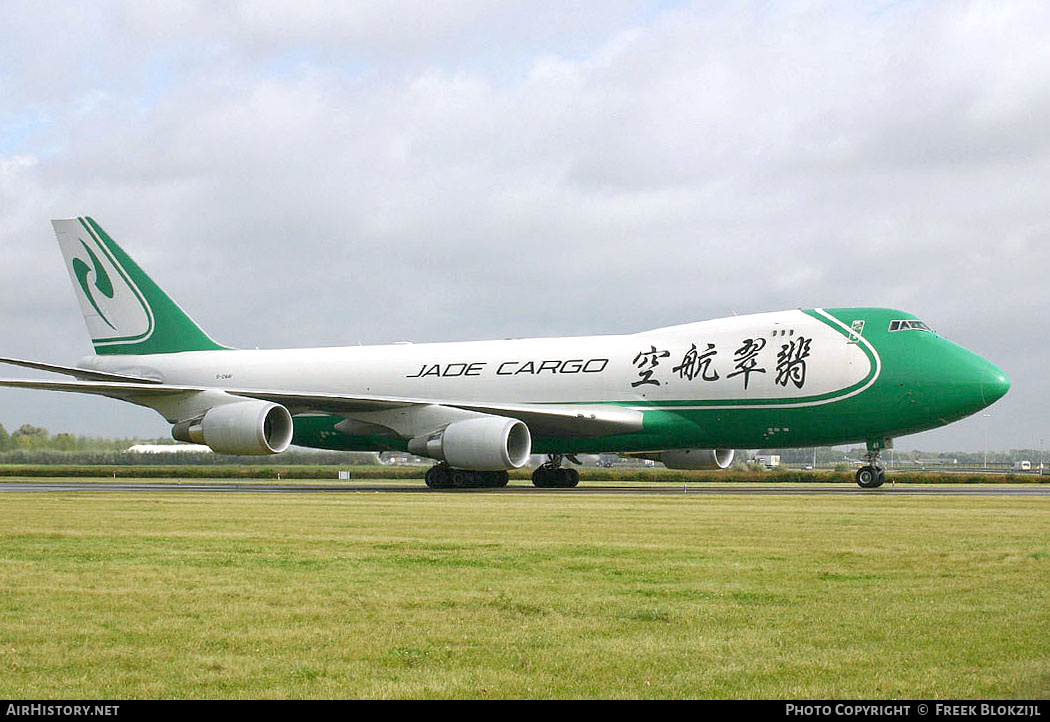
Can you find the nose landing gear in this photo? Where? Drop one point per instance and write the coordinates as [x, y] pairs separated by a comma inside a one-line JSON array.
[[870, 477], [873, 475]]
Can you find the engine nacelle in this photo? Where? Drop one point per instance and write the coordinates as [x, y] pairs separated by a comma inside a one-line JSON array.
[[490, 443], [696, 458], [244, 428]]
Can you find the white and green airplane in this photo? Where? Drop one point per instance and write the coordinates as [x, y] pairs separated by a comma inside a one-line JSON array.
[[684, 395]]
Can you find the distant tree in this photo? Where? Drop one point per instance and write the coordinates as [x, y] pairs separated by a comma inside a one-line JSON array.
[[30, 437], [5, 439], [63, 442]]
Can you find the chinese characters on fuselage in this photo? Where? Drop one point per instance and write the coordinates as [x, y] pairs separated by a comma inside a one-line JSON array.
[[697, 365], [646, 362], [791, 362], [746, 359]]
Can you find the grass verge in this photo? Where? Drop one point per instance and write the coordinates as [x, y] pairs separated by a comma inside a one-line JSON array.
[[197, 595]]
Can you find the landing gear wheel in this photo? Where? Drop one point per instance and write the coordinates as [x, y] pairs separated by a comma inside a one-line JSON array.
[[551, 476], [439, 476], [873, 475], [443, 476], [868, 477]]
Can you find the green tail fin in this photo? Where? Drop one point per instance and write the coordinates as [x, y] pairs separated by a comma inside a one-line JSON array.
[[125, 311]]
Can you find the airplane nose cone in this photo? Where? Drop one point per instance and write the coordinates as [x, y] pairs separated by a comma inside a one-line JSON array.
[[965, 382], [981, 380], [994, 383]]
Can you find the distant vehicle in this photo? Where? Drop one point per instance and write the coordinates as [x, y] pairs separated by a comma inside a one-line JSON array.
[[685, 395], [1023, 465], [770, 461]]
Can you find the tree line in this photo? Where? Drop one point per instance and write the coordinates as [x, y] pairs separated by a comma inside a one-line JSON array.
[[30, 444], [829, 455], [36, 438]]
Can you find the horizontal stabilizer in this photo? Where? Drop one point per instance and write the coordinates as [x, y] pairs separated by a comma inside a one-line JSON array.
[[83, 374]]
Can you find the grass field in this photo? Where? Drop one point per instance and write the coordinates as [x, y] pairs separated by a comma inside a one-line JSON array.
[[542, 595]]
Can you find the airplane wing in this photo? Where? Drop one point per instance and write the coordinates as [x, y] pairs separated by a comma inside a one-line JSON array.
[[580, 420]]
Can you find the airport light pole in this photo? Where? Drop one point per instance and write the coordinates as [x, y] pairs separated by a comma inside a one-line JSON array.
[[987, 416]]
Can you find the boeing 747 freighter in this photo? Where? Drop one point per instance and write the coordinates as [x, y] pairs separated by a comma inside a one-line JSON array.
[[685, 395]]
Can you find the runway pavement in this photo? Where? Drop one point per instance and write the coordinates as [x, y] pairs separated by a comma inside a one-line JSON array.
[[522, 488]]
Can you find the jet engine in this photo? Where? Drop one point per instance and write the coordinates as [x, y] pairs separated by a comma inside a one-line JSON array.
[[489, 443], [245, 428], [696, 458]]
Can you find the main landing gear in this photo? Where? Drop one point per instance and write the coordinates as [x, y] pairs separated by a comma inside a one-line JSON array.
[[443, 476], [550, 475], [873, 475]]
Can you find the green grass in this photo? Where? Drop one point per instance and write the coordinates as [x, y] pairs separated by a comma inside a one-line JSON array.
[[542, 595]]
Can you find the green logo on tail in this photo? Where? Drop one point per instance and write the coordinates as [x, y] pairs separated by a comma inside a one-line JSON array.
[[102, 282]]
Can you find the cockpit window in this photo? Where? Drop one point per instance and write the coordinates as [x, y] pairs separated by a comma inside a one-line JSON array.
[[909, 326]]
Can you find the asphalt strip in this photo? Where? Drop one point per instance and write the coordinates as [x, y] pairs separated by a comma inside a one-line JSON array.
[[662, 489]]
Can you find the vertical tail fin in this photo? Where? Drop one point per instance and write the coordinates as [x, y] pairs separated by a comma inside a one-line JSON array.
[[125, 311]]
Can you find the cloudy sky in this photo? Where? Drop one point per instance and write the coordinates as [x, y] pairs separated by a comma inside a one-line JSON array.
[[314, 173]]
